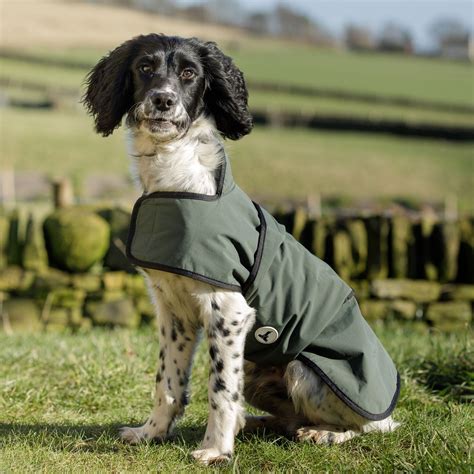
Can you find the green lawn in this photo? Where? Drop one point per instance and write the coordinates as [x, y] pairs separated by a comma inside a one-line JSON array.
[[62, 398], [274, 164]]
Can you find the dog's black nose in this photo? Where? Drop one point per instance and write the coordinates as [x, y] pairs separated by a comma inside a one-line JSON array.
[[164, 100]]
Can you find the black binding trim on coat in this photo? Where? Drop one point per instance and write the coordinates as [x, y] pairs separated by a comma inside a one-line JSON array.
[[346, 399], [259, 252], [188, 273]]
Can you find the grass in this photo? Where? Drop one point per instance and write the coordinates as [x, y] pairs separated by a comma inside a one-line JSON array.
[[97, 29], [50, 76], [353, 108], [381, 74], [272, 164], [294, 163], [288, 63], [453, 376], [62, 398], [385, 75]]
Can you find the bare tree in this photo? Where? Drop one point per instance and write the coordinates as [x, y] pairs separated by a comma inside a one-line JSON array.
[[359, 38], [446, 29], [453, 39], [291, 24], [395, 38]]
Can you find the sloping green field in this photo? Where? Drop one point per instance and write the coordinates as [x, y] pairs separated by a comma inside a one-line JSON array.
[[289, 63], [381, 74], [387, 76], [271, 163]]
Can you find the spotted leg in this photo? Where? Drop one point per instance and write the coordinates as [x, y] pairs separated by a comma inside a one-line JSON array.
[[177, 343], [227, 319]]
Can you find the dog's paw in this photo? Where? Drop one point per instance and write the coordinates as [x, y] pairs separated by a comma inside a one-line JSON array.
[[132, 435], [211, 456], [321, 436], [138, 435]]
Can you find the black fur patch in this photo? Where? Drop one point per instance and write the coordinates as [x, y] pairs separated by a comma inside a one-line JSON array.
[[219, 366], [213, 351], [219, 385], [179, 325], [185, 398], [220, 324]]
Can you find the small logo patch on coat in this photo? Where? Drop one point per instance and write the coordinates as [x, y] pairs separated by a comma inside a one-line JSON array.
[[266, 335]]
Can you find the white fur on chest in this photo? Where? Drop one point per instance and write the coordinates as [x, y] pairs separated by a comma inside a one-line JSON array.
[[184, 165], [187, 164]]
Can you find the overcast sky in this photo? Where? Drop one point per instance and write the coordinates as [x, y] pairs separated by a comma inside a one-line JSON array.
[[417, 15]]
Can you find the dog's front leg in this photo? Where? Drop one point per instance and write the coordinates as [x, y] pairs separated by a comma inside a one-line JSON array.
[[177, 343], [226, 320]]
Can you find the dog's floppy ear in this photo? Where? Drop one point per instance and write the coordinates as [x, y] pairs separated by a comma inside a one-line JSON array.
[[109, 93], [226, 93]]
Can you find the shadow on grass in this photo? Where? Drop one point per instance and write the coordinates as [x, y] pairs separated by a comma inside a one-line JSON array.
[[105, 438], [95, 438]]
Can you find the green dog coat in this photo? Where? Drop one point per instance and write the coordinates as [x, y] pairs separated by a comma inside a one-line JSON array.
[[303, 309]]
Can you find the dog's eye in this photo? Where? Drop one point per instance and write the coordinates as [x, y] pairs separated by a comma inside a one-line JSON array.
[[145, 69], [187, 73]]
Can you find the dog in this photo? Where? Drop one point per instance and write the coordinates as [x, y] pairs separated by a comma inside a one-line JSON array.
[[180, 97]]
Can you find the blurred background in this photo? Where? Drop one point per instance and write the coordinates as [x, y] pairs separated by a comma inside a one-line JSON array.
[[363, 144]]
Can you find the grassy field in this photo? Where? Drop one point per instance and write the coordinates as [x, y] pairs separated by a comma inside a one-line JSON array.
[[62, 398], [383, 75], [277, 164], [97, 28], [353, 108], [270, 163], [288, 63]]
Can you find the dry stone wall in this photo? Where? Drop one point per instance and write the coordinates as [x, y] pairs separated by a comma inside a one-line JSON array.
[[69, 271]]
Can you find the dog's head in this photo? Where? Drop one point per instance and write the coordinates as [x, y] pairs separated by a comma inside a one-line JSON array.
[[163, 83]]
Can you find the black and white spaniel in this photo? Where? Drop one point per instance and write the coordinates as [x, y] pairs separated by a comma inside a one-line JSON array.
[[179, 98]]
